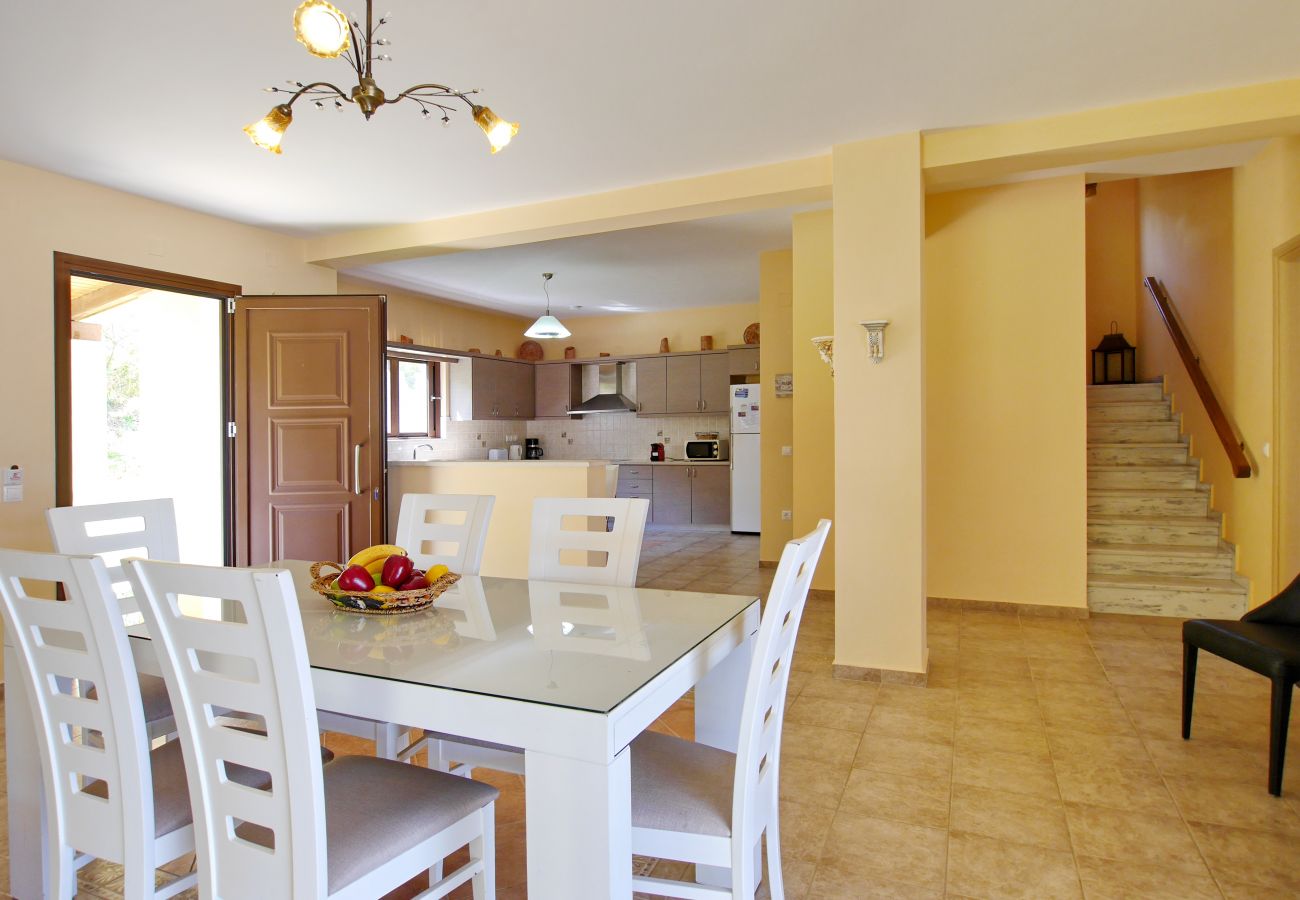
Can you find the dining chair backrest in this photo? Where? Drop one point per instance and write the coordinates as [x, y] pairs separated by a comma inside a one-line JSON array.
[[430, 540], [589, 551], [115, 531], [758, 753], [258, 665], [81, 739]]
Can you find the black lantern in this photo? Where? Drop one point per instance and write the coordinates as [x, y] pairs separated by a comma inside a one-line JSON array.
[[1115, 360]]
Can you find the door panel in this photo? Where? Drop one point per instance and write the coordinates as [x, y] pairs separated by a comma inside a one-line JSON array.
[[553, 389], [715, 382], [308, 389], [710, 495], [671, 495], [651, 387], [683, 384]]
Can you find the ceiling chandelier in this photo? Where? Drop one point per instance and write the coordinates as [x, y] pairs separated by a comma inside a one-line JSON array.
[[547, 326], [326, 32]]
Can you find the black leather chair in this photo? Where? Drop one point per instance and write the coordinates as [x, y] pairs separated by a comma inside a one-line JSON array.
[[1265, 640]]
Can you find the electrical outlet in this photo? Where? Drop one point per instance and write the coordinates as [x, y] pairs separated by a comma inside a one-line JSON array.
[[786, 515], [787, 451]]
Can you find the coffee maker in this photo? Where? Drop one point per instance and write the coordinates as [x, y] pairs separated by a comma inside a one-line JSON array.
[[532, 448]]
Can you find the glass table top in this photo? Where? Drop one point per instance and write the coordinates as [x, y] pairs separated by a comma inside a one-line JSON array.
[[579, 646]]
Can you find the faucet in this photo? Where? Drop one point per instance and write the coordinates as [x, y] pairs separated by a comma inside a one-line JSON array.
[[415, 452]]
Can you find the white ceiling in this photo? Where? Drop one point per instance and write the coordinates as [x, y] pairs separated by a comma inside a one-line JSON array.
[[707, 262], [149, 96]]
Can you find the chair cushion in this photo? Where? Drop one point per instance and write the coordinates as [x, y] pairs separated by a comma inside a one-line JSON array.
[[153, 697], [376, 809], [1272, 650], [681, 786], [171, 798]]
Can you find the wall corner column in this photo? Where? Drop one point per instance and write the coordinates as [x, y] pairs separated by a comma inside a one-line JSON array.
[[879, 238]]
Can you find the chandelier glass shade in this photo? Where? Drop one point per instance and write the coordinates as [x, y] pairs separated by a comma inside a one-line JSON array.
[[326, 32], [547, 326]]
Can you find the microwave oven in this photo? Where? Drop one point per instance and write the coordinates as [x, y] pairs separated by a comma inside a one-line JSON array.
[[706, 449]]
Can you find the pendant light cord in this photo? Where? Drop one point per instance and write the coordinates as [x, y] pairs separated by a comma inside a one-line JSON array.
[[546, 277]]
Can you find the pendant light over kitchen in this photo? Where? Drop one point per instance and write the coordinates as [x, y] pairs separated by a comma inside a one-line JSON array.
[[547, 326]]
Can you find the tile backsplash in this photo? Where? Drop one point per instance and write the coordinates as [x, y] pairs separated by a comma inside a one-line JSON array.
[[621, 435], [605, 436]]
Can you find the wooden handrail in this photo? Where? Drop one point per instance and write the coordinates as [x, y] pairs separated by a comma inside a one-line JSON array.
[[1219, 419]]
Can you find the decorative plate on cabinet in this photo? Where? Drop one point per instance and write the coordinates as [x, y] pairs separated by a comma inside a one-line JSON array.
[[530, 350], [751, 333]]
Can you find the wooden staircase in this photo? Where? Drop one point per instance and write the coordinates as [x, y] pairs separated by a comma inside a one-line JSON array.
[[1154, 545]]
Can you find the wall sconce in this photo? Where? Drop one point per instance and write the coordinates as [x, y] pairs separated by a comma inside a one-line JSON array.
[[826, 348], [875, 339]]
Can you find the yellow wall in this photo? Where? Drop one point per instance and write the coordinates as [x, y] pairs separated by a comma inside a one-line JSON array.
[[1112, 264], [776, 305], [435, 322], [814, 390], [629, 333], [1186, 242], [1266, 215], [880, 427], [45, 213], [1006, 469]]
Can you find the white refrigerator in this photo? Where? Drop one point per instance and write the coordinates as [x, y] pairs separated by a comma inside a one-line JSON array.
[[745, 479]]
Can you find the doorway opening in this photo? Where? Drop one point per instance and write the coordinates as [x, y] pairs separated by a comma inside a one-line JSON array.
[[1286, 425], [141, 388]]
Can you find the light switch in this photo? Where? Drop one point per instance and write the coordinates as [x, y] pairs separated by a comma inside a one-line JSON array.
[[787, 451], [13, 484]]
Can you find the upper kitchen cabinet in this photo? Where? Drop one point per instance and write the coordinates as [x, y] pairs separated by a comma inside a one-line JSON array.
[[558, 389], [743, 360], [483, 388], [698, 382], [715, 383], [651, 386]]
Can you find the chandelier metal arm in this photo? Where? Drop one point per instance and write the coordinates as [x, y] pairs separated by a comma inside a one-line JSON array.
[[441, 90], [312, 89]]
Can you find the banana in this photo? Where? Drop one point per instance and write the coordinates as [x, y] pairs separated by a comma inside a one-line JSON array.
[[376, 568], [378, 551]]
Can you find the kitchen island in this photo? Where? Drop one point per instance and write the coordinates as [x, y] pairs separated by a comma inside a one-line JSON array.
[[515, 484]]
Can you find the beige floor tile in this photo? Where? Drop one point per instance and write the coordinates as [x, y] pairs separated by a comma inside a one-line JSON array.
[[1005, 816], [1106, 879], [1006, 707], [841, 689], [834, 884], [1012, 772], [1087, 748], [1250, 857], [817, 783], [813, 710], [1137, 790], [1179, 757], [975, 735], [890, 721], [814, 743], [935, 701], [981, 867], [1241, 890], [1101, 719], [804, 827], [917, 801], [863, 850], [1240, 804], [1081, 668], [1131, 837], [902, 756]]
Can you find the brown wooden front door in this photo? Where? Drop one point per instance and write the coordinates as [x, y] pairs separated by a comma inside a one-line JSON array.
[[309, 440]]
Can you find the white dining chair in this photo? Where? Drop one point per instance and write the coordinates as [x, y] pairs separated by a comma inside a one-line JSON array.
[[113, 531], [603, 548], [434, 529], [695, 803], [107, 796], [594, 553], [358, 827]]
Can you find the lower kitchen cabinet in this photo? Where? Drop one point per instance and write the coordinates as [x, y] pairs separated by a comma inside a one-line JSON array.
[[710, 495], [680, 495], [670, 502]]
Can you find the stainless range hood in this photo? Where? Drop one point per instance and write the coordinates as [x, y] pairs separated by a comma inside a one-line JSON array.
[[607, 388]]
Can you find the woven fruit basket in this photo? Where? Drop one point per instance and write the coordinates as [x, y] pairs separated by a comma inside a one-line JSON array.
[[376, 603]]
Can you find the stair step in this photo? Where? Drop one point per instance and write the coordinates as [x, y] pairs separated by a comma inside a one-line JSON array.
[[1146, 595], [1143, 477], [1156, 503], [1185, 531], [1165, 432], [1129, 411], [1118, 393], [1161, 560], [1173, 454]]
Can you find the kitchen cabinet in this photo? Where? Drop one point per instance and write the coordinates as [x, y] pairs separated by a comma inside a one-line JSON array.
[[697, 382], [670, 502], [743, 360], [710, 495], [715, 383], [651, 386], [557, 390], [484, 388]]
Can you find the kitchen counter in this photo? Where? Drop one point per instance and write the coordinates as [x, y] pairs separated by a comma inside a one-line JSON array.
[[671, 462], [503, 463]]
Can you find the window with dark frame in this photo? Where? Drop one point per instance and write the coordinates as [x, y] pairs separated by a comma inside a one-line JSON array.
[[414, 404]]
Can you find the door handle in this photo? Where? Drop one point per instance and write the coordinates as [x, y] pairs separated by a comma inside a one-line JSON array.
[[704, 404], [356, 469]]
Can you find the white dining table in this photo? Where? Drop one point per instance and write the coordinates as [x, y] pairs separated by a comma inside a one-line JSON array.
[[569, 673]]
